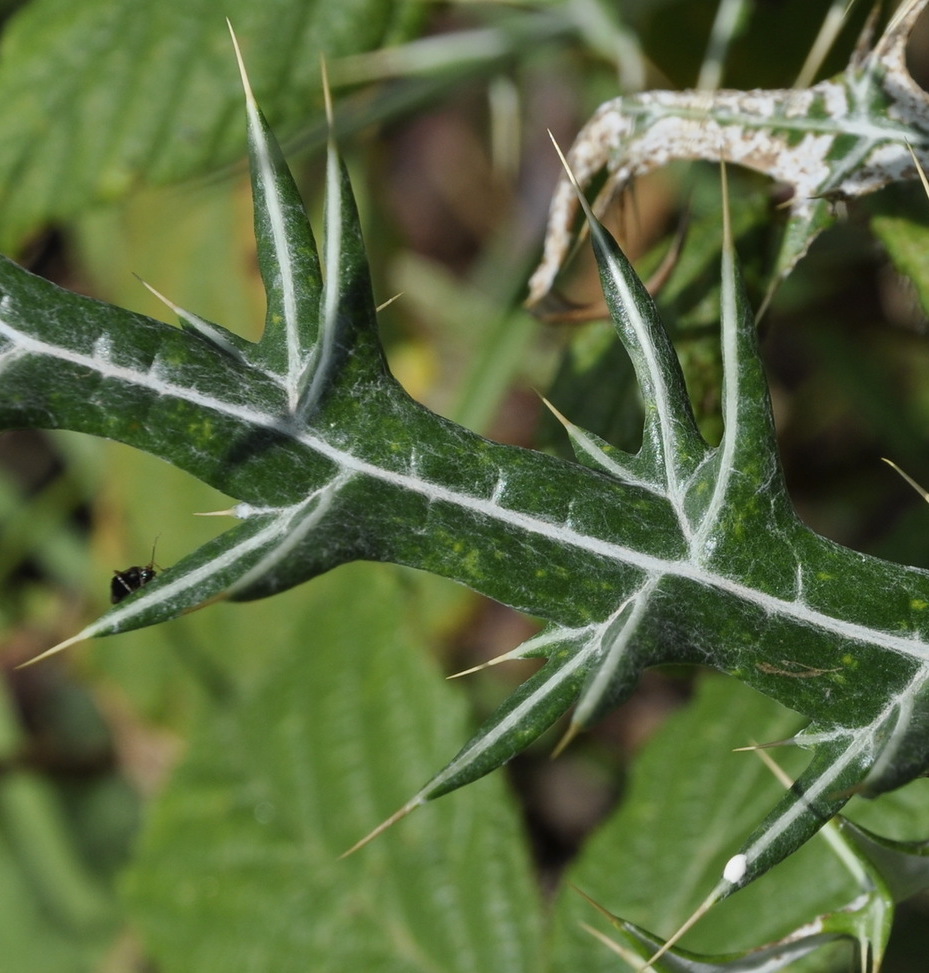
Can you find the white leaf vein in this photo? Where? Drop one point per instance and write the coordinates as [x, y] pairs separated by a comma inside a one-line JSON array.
[[565, 535]]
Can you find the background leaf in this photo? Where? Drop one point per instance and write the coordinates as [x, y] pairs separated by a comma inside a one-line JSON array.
[[100, 97], [57, 911], [690, 801], [239, 866]]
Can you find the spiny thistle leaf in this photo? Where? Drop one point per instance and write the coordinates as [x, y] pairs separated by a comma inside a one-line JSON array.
[[684, 553], [837, 140]]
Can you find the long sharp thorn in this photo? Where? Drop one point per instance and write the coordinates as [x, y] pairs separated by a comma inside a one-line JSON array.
[[383, 826]]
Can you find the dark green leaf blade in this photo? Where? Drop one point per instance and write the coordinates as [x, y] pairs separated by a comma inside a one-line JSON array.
[[70, 362]]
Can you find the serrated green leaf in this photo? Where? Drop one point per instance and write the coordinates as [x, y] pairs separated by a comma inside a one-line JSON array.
[[57, 913], [101, 96], [239, 868]]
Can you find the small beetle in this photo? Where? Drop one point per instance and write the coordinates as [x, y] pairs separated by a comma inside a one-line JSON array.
[[124, 583]]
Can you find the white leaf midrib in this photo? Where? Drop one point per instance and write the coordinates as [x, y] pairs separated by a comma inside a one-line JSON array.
[[274, 212], [493, 508], [654, 378], [863, 747], [613, 651], [317, 368]]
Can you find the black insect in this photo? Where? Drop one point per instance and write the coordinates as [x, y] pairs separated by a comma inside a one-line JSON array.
[[124, 583]]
